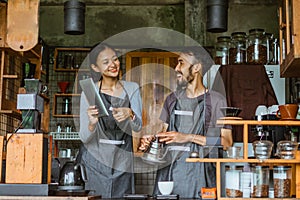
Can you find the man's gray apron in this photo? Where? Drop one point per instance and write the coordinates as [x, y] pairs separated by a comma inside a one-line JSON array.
[[188, 116], [111, 173]]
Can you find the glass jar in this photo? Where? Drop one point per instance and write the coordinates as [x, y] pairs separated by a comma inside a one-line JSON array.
[[232, 182], [261, 178], [222, 50], [246, 183], [256, 47], [282, 178], [237, 50], [275, 51], [269, 39]]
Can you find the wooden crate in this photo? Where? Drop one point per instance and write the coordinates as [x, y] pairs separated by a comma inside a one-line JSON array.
[[24, 158]]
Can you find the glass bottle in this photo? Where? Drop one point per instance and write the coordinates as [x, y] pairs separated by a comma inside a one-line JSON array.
[[222, 50], [237, 50], [232, 182], [66, 106], [261, 176], [282, 177], [256, 47]]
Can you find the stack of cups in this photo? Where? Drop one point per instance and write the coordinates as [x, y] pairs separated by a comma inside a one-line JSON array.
[[246, 183]]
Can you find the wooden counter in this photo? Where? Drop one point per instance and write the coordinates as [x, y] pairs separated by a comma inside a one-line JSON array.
[[48, 198]]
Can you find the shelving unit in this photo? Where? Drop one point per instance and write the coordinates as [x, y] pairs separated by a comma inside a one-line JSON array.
[[68, 62], [62, 136], [289, 38], [270, 162], [58, 101]]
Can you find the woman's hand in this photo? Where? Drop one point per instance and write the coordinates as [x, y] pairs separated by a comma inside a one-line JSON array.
[[120, 114], [174, 137], [92, 112]]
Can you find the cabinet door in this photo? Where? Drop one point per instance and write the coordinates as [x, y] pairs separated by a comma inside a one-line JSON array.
[[154, 72], [289, 24]]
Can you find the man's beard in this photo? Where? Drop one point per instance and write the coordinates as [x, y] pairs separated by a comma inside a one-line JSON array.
[[182, 84]]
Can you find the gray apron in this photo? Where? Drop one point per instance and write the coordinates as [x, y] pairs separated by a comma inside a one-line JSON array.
[[188, 116], [111, 174]]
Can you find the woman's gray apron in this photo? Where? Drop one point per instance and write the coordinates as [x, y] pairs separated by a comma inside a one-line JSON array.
[[188, 116], [111, 173]]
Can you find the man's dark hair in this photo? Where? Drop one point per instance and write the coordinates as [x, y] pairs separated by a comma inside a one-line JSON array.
[[201, 56]]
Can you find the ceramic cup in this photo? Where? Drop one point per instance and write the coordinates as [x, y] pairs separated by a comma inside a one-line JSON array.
[[287, 111], [165, 187]]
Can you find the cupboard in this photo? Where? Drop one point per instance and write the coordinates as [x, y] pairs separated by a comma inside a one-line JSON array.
[[295, 163], [289, 37]]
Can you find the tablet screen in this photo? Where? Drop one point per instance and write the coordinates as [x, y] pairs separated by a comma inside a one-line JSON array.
[[92, 95]]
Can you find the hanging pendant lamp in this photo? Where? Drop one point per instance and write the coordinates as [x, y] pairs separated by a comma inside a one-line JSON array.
[[74, 17], [217, 14]]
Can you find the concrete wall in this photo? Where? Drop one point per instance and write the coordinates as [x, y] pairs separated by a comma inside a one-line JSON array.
[[105, 18]]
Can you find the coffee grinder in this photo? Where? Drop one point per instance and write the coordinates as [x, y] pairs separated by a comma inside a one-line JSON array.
[[31, 105]]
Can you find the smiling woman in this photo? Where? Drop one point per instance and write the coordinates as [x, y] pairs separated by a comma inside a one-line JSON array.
[[107, 150]]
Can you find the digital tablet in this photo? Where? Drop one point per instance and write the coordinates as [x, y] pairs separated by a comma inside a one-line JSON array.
[[92, 95]]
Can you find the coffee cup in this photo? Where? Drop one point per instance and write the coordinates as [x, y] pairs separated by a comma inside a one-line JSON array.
[[287, 111], [165, 187]]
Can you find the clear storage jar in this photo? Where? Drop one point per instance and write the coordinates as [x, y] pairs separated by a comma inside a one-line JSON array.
[[269, 38], [237, 50], [256, 47], [232, 182], [282, 178], [222, 50], [261, 176]]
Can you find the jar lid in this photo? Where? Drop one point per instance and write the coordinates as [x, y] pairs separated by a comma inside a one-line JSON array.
[[261, 167], [269, 35], [256, 30], [282, 167], [238, 34], [223, 38]]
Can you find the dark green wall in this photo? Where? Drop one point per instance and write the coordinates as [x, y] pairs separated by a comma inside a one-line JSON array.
[[105, 18]]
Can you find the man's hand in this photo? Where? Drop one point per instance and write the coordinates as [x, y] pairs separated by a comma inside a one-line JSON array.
[[174, 137], [120, 114], [145, 142]]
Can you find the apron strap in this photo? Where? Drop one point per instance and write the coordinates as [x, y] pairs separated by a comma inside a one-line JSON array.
[[114, 142]]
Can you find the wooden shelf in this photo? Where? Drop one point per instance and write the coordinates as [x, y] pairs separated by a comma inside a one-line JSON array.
[[295, 163], [78, 53], [227, 160], [263, 122], [56, 106], [65, 116]]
